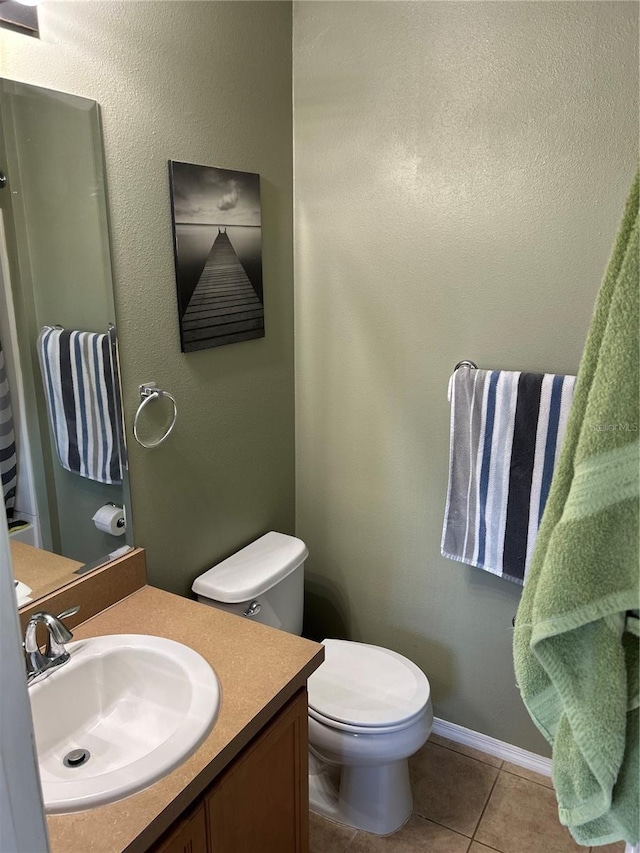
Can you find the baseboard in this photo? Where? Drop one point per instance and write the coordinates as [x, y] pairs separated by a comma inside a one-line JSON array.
[[492, 746]]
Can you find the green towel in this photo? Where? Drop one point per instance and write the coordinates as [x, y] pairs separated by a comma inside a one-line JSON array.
[[576, 637]]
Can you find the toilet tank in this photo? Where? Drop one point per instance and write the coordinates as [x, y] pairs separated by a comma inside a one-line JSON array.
[[263, 582]]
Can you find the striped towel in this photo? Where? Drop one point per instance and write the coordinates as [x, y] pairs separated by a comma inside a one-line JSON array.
[[8, 459], [82, 401], [506, 432]]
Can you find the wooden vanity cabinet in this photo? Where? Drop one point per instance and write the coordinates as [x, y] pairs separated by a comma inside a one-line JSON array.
[[188, 835], [260, 802]]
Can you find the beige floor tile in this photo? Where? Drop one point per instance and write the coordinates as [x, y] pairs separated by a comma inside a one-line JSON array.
[[465, 750], [522, 817], [450, 788], [476, 847], [531, 775], [416, 836], [325, 836], [619, 847]]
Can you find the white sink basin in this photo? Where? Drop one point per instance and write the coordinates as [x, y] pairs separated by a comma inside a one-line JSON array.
[[139, 704]]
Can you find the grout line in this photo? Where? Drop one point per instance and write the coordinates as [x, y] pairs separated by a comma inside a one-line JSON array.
[[351, 840], [479, 761], [534, 781], [356, 832], [484, 808], [442, 826], [466, 755]]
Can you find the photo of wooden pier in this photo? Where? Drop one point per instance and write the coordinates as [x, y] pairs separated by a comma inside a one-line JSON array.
[[218, 263]]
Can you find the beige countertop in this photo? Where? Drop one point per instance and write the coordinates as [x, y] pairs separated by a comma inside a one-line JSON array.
[[259, 669], [42, 570]]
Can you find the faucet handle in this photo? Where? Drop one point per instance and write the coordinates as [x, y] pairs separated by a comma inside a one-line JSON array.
[[58, 633], [55, 654], [70, 612], [53, 625]]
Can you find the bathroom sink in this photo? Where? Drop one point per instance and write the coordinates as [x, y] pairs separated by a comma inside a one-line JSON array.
[[123, 712]]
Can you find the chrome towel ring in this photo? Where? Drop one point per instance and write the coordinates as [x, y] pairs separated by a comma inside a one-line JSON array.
[[148, 392]]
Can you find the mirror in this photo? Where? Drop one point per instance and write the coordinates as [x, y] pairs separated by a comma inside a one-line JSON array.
[[62, 452]]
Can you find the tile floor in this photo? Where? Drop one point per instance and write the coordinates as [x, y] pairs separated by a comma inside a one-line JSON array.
[[465, 802]]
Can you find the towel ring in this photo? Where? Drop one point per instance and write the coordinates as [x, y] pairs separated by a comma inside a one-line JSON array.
[[465, 363], [148, 392]]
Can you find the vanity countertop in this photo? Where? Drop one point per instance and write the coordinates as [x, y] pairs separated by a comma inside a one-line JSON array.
[[41, 570], [259, 669]]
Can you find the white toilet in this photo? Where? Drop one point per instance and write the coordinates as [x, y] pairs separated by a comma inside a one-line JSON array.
[[369, 707]]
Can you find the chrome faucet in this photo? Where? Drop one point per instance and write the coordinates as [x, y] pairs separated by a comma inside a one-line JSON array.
[[40, 664]]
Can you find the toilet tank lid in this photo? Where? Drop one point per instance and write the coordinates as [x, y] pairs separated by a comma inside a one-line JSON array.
[[253, 570]]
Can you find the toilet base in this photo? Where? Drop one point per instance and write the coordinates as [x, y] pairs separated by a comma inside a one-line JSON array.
[[376, 799]]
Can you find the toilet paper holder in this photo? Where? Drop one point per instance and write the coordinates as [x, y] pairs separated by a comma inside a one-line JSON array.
[[149, 391], [105, 516], [121, 522]]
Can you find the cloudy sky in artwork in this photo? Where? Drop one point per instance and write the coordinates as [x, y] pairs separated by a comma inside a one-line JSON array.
[[205, 195]]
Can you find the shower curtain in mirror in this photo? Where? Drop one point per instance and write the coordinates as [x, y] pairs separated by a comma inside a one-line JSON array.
[[8, 460]]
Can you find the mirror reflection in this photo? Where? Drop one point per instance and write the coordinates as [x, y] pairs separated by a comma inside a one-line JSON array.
[[62, 453]]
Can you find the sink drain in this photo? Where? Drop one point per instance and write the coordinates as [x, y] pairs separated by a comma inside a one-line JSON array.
[[76, 758]]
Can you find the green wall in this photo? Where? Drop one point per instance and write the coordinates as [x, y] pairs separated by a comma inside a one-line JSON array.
[[206, 83], [460, 172], [460, 169]]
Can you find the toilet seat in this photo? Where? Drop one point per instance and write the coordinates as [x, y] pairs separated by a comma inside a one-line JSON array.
[[366, 689], [364, 730]]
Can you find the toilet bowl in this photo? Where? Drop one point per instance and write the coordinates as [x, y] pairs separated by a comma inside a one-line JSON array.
[[369, 707], [369, 711]]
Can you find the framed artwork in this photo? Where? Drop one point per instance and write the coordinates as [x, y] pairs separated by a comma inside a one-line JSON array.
[[218, 255], [15, 15]]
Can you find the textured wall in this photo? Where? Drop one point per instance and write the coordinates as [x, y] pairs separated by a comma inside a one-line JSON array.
[[460, 171], [205, 83]]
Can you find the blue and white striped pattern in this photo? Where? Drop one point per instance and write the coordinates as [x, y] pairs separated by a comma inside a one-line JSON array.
[[82, 402], [8, 458], [507, 428]]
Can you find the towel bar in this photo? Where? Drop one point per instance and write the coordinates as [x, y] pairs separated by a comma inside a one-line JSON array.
[[466, 363], [149, 391]]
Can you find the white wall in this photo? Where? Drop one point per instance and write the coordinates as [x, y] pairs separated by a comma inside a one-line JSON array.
[[460, 170]]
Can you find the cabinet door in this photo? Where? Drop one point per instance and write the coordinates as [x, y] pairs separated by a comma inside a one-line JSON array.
[[188, 836], [261, 802]]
